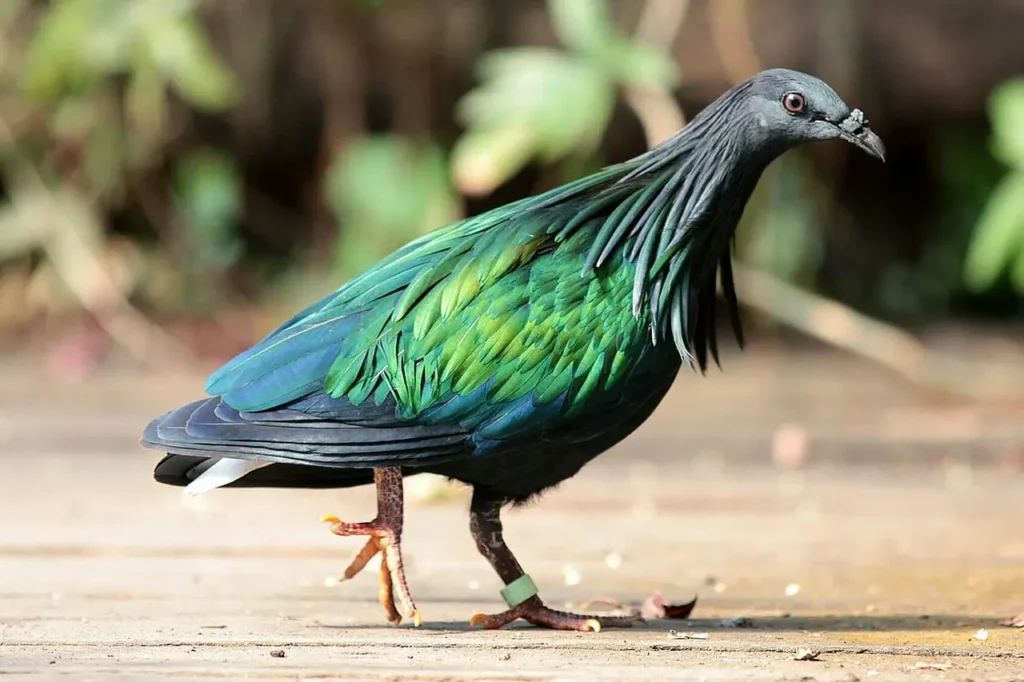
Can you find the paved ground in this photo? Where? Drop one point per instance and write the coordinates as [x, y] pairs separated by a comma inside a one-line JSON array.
[[897, 541]]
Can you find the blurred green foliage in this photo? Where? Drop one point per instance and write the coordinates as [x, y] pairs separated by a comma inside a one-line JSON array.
[[208, 195], [781, 229], [95, 96], [998, 243], [545, 104], [88, 90], [385, 191]]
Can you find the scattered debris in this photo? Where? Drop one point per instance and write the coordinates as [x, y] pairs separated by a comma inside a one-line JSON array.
[[506, 657], [807, 655], [655, 607], [738, 622], [572, 575], [790, 446], [1015, 622], [981, 635], [674, 634], [923, 665], [792, 589], [715, 584], [277, 653]]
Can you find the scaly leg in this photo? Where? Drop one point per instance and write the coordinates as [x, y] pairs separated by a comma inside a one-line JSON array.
[[485, 525], [385, 533]]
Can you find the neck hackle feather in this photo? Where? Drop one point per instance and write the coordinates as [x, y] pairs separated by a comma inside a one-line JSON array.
[[673, 212]]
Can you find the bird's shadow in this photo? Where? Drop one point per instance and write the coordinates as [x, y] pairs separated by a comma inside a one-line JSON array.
[[797, 623]]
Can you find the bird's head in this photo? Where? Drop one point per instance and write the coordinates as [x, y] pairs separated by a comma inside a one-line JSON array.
[[793, 107]]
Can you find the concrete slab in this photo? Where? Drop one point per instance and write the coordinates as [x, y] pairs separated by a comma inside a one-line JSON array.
[[888, 572]]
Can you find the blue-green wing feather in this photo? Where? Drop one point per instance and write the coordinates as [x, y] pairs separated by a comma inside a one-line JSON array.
[[513, 324]]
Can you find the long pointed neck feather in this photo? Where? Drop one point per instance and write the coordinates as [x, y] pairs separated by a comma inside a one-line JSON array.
[[673, 212]]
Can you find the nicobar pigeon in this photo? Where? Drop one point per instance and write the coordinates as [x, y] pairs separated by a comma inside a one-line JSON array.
[[509, 349]]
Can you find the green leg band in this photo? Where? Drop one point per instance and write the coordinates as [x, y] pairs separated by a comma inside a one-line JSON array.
[[519, 590]]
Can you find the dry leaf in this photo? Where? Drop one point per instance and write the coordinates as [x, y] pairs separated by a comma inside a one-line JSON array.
[[655, 607]]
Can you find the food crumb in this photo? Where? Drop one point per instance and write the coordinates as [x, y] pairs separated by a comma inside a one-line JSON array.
[[806, 655]]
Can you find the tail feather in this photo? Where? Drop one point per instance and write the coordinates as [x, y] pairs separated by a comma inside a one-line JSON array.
[[211, 428], [188, 470], [222, 472]]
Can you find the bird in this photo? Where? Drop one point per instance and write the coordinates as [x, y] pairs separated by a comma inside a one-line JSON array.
[[509, 349]]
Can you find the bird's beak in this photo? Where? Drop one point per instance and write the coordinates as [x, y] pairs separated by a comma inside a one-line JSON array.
[[854, 129], [867, 140]]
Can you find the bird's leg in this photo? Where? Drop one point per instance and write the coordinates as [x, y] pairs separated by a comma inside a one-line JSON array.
[[520, 592], [385, 533]]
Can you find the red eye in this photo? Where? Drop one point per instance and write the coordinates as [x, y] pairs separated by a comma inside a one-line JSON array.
[[794, 103]]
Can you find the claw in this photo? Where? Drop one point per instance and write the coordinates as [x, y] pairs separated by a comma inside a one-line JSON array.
[[417, 619], [331, 519], [478, 619], [594, 624]]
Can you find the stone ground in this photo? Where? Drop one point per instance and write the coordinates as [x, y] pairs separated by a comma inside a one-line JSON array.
[[886, 551]]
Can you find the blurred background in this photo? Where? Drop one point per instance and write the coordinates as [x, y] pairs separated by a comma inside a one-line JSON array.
[[177, 176]]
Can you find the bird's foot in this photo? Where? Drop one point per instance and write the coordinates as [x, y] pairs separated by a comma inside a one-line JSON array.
[[534, 611], [392, 572]]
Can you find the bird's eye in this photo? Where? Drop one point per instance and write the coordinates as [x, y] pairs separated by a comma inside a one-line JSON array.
[[794, 103]]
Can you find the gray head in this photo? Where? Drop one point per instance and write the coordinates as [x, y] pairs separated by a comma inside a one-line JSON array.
[[689, 193], [787, 108]]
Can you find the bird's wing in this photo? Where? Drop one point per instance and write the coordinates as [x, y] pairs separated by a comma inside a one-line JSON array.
[[460, 339]]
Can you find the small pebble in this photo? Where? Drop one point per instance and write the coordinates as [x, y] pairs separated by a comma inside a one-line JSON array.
[[277, 653]]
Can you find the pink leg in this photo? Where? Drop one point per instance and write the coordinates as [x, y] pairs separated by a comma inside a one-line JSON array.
[[485, 525], [385, 533]]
